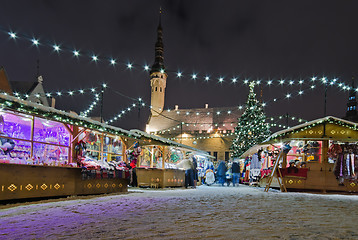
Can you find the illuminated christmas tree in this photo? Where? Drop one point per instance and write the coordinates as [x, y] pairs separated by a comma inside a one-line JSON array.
[[252, 127]]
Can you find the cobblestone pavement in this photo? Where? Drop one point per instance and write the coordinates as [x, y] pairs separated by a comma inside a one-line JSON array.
[[204, 213]]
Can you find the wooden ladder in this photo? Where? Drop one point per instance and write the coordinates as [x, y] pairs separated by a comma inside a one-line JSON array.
[[276, 170]]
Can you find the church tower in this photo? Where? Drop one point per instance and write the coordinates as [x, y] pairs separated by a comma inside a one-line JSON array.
[[351, 113], [158, 76]]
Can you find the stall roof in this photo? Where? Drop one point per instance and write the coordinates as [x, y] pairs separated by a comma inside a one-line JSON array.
[[331, 128], [254, 149], [167, 142], [12, 103]]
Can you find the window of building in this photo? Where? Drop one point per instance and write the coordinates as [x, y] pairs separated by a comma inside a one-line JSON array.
[[216, 155], [204, 131], [160, 89], [227, 156], [196, 131], [209, 153]]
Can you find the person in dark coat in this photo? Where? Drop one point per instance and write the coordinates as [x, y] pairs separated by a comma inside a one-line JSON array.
[[221, 172], [195, 171], [235, 168]]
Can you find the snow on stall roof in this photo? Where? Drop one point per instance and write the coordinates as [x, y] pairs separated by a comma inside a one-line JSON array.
[[253, 149], [169, 142], [319, 120], [67, 114]]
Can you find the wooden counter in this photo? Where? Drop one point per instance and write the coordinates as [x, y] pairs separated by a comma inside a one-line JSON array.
[[30, 181], [320, 177], [153, 177]]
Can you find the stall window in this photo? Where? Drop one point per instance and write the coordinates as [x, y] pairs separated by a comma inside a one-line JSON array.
[[15, 132], [173, 157], [51, 132], [314, 151], [145, 159], [93, 141], [158, 157], [112, 148], [16, 125], [51, 155]]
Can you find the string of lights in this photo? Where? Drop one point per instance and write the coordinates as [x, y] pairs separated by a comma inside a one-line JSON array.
[[221, 79], [223, 124], [123, 112], [62, 93], [91, 106], [218, 134]]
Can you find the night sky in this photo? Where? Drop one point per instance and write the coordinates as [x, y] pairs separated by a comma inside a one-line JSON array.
[[256, 40]]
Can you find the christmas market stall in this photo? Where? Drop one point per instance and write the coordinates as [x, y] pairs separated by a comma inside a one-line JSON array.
[[46, 152], [253, 162], [157, 165], [321, 155]]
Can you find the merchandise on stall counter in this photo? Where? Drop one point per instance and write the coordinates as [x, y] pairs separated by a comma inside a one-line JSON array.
[[345, 157]]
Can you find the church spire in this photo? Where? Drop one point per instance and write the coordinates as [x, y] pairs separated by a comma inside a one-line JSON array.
[[159, 48]]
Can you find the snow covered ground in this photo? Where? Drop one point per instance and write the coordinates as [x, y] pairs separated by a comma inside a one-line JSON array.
[[206, 212]]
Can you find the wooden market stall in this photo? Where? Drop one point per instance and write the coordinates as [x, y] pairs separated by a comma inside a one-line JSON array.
[[321, 155], [46, 152], [157, 164]]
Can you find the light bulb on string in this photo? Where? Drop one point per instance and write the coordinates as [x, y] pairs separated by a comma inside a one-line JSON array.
[[113, 61], [35, 42], [56, 48], [76, 53], [94, 58], [12, 35], [129, 66]]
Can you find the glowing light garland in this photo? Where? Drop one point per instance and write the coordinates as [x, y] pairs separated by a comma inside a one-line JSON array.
[[123, 112], [91, 106], [58, 93], [59, 48], [219, 133]]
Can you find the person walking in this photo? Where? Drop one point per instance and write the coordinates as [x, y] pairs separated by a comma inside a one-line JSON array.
[[235, 168], [195, 171], [187, 165], [221, 172], [228, 175]]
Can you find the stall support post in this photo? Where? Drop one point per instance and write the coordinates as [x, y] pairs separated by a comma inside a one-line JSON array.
[[151, 156], [32, 136], [165, 153], [284, 160], [124, 148], [102, 145], [324, 151]]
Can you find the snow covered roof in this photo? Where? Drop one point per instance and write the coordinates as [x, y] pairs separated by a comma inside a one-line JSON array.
[[13, 103], [168, 142], [329, 119], [254, 149]]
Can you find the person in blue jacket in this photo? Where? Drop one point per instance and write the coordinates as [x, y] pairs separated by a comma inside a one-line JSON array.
[[221, 171]]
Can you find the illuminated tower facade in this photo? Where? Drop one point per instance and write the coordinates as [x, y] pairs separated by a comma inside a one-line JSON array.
[[158, 76]]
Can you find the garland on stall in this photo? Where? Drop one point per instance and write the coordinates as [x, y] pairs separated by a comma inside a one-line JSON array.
[[12, 103]]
